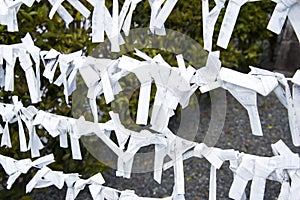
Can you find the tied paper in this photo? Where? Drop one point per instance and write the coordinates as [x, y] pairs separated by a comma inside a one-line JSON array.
[[9, 10], [111, 24], [16, 112], [57, 7], [219, 77], [283, 167], [46, 177], [173, 87], [69, 64], [244, 87], [24, 52], [101, 76], [135, 142], [244, 166], [258, 81], [14, 168], [102, 20], [285, 9]]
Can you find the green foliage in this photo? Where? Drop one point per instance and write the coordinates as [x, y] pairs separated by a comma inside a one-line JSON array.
[[245, 48], [250, 33]]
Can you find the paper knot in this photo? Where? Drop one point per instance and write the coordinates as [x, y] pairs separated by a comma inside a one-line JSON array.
[[220, 4], [289, 3], [17, 104]]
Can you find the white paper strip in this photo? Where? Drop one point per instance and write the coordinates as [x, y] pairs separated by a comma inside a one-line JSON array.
[[230, 18], [209, 19], [284, 9], [14, 168]]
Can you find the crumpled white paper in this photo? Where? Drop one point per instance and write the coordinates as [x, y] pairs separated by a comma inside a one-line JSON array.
[[172, 83], [46, 177], [291, 184], [24, 51], [69, 64], [244, 87], [16, 112], [102, 20], [244, 166], [57, 7], [216, 157], [98, 73], [14, 168], [8, 13], [136, 141], [284, 9]]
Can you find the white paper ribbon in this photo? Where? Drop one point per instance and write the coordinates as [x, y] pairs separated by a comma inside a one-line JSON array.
[[155, 9], [23, 51], [75, 3], [284, 9], [248, 100], [258, 169], [75, 184], [28, 44], [291, 191], [103, 21], [242, 86], [136, 141], [35, 143], [9, 55], [163, 14], [45, 177], [8, 15], [176, 148], [2, 76], [101, 77], [48, 121], [8, 116], [17, 109], [296, 101], [216, 157], [126, 25], [14, 168], [206, 77], [230, 18], [209, 19], [98, 21], [74, 138], [173, 85], [86, 128], [101, 192], [69, 65], [26, 64], [63, 13], [288, 101], [66, 66]]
